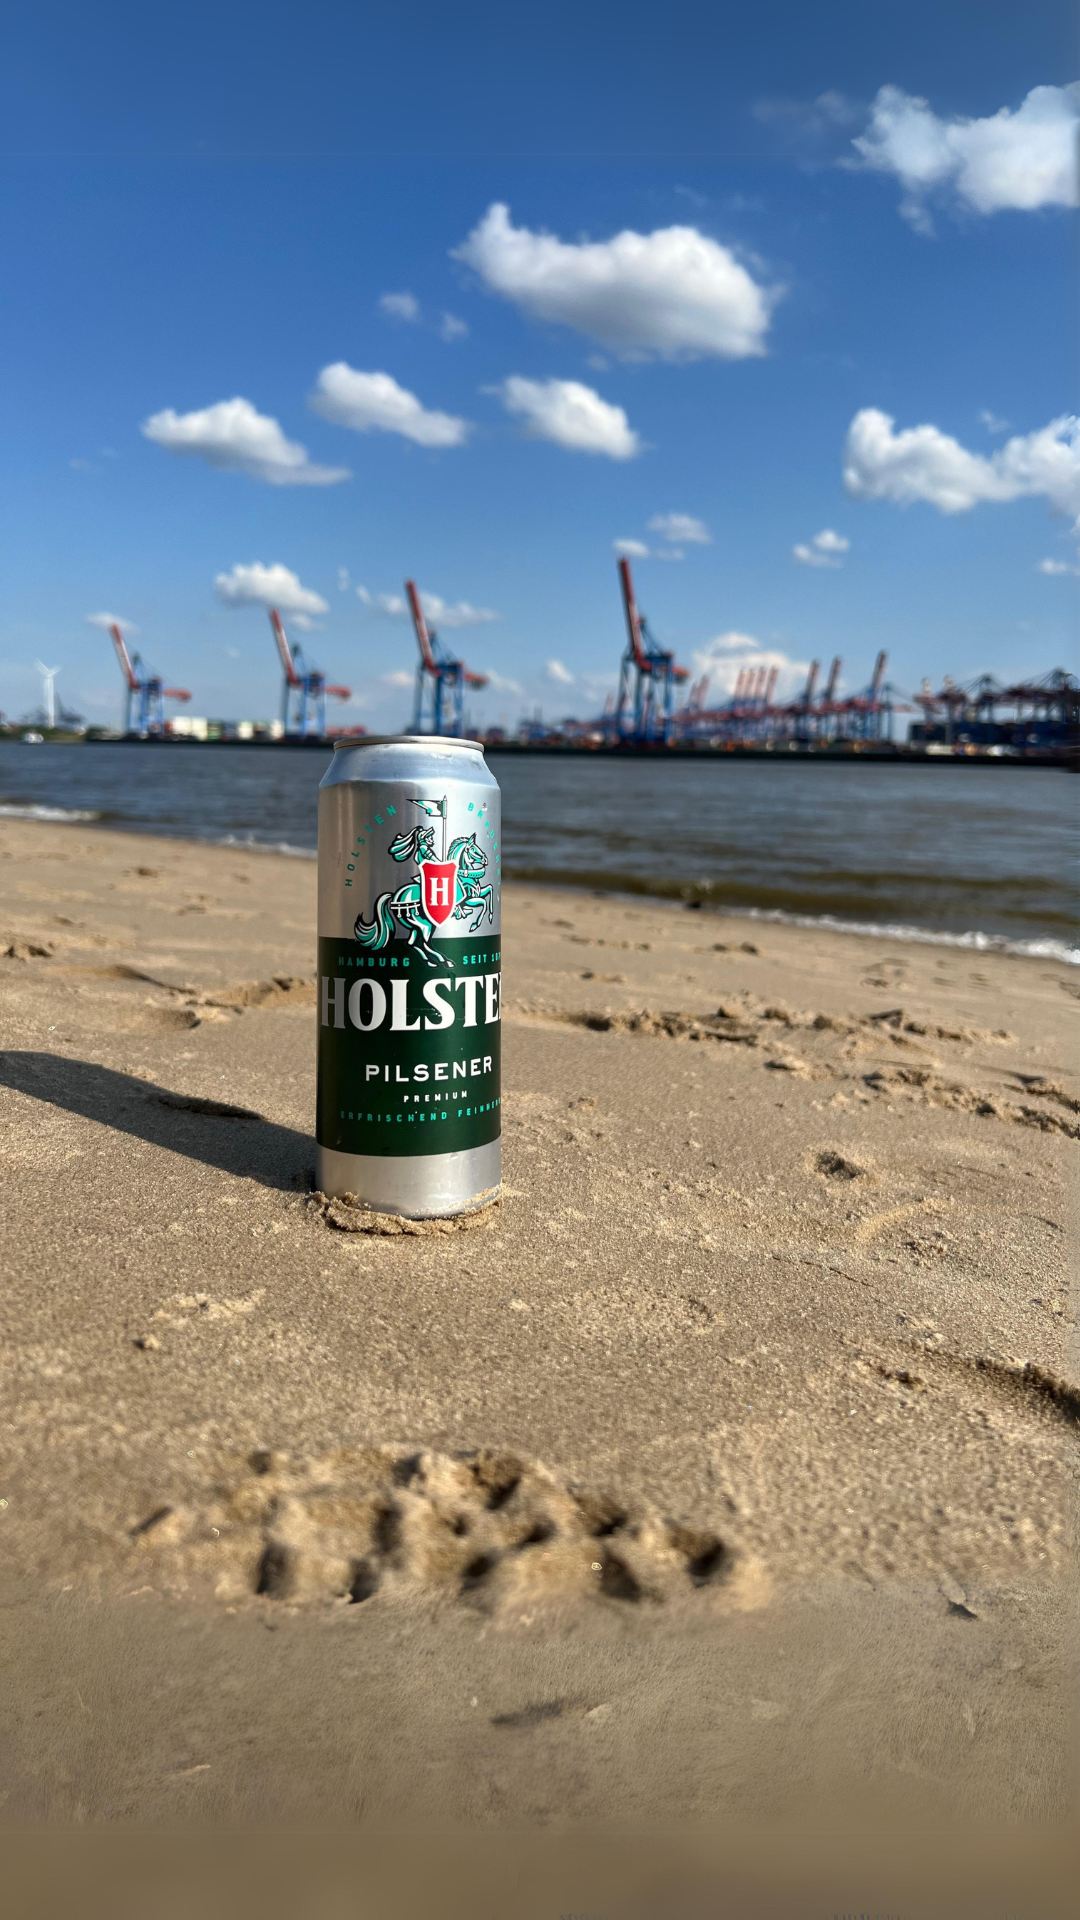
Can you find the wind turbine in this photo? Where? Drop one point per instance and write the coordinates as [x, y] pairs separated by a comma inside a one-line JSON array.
[[48, 675]]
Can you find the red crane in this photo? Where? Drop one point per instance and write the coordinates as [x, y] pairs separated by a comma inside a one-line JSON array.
[[146, 687], [827, 707], [304, 688], [648, 676], [440, 678]]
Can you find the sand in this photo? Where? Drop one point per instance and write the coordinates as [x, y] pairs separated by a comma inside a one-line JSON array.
[[723, 1471]]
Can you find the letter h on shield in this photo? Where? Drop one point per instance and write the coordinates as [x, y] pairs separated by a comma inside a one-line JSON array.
[[438, 878]]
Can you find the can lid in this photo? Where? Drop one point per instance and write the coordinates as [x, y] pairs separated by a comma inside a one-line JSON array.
[[408, 740]]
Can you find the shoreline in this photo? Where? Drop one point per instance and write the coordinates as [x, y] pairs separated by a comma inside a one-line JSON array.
[[971, 940], [890, 753]]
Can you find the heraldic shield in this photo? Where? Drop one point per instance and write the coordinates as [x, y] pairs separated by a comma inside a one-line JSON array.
[[439, 877]]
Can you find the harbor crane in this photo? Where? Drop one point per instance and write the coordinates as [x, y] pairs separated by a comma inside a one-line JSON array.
[[695, 699], [825, 713], [648, 676], [440, 679], [304, 689], [144, 687], [802, 708], [869, 715], [969, 715], [1054, 701]]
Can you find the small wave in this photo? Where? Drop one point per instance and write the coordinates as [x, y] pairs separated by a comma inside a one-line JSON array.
[[158, 830], [671, 891], [974, 942], [667, 892], [12, 810], [261, 846]]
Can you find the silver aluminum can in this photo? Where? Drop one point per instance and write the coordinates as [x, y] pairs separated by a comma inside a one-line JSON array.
[[410, 970]]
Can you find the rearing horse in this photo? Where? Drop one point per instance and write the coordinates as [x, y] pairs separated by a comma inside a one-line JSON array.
[[403, 913]]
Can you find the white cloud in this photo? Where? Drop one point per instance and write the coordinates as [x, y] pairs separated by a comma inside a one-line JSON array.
[[398, 679], [726, 656], [499, 684], [922, 463], [673, 293], [1022, 160], [389, 604], [681, 527], [374, 401], [598, 684], [560, 674], [234, 437], [406, 306], [343, 580], [809, 119], [691, 194], [571, 415], [441, 613], [276, 586], [822, 550], [992, 423], [637, 550], [79, 465], [400, 306], [1055, 566], [672, 526], [460, 614], [107, 620]]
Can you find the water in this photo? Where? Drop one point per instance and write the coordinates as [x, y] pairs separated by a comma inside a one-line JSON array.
[[981, 855]]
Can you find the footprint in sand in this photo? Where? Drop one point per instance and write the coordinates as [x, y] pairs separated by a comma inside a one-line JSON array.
[[485, 1529], [832, 1165]]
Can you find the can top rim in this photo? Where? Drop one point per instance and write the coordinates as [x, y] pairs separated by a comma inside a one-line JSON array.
[[409, 740]]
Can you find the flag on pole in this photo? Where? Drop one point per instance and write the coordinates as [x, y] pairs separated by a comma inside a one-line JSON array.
[[437, 810]]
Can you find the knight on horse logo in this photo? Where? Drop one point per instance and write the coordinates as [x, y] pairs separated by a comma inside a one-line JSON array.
[[446, 889]]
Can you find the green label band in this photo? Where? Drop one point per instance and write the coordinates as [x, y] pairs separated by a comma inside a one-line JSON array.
[[409, 1054]]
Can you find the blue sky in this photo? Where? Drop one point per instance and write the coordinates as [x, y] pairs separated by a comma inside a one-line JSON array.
[[704, 300]]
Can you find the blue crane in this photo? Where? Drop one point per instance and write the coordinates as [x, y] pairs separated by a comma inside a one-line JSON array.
[[304, 689], [144, 687], [648, 676], [440, 679]]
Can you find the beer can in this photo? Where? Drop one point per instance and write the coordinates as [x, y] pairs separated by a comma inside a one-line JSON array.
[[410, 971]]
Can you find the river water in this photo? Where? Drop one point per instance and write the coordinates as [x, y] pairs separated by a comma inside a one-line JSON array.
[[985, 856]]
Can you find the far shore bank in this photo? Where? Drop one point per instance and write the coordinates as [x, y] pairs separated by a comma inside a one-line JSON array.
[[862, 753]]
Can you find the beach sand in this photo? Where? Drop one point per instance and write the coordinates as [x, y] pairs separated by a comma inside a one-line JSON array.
[[723, 1471]]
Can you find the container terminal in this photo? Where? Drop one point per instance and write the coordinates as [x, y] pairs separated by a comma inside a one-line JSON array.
[[657, 709]]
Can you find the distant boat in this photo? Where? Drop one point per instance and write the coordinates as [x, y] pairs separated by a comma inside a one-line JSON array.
[[33, 739]]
